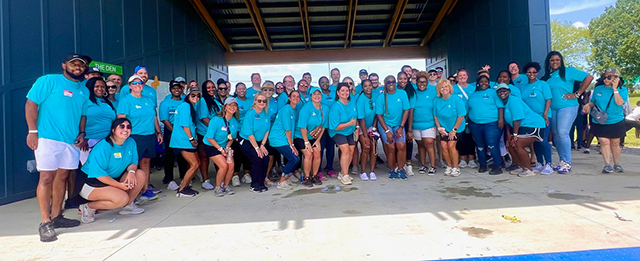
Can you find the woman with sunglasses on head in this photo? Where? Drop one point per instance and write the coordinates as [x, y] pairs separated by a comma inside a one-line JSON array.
[[110, 176], [141, 111], [404, 84], [184, 140], [343, 127], [281, 139], [112, 92], [268, 89], [206, 109], [423, 125], [392, 111], [221, 134], [244, 105], [254, 135], [449, 113], [609, 95], [313, 115], [367, 121], [564, 104], [465, 144]]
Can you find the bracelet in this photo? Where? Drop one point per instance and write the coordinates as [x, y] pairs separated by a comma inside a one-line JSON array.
[[306, 142], [387, 131], [256, 148], [191, 139], [616, 92], [221, 149], [82, 132], [33, 131], [131, 171]]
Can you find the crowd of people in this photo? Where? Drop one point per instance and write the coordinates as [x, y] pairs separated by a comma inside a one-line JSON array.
[[78, 120]]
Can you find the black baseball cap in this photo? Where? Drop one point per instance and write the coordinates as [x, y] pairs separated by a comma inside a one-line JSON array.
[[74, 56], [94, 70], [363, 71]]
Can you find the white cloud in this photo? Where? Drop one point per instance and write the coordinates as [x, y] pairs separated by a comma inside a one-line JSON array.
[[579, 24], [576, 5]]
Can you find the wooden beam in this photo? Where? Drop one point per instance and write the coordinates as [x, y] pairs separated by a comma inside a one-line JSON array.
[[204, 14], [304, 20], [452, 6], [254, 11], [436, 23], [326, 55], [351, 23], [395, 22]]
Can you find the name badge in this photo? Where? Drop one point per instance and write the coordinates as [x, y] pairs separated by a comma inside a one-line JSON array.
[[224, 128], [172, 111], [68, 93], [257, 117], [533, 95], [138, 107], [117, 155]]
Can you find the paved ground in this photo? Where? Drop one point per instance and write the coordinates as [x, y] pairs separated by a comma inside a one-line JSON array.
[[426, 217]]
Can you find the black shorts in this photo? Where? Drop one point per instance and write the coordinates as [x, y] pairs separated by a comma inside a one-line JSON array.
[[146, 145], [299, 143], [200, 140], [211, 151], [272, 151], [178, 151], [342, 139], [609, 131], [527, 132]]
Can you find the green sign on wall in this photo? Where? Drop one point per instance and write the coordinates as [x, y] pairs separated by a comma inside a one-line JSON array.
[[107, 68]]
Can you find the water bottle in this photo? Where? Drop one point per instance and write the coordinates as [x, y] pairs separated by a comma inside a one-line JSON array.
[[229, 155]]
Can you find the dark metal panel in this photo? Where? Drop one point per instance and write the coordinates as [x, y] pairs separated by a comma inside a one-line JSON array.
[[189, 28], [165, 24], [60, 35], [25, 40], [133, 28], [166, 65], [178, 28], [152, 62], [201, 62], [179, 62], [113, 30], [89, 26], [3, 167], [150, 25], [21, 181], [191, 57]]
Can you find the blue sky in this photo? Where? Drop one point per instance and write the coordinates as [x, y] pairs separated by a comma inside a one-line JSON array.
[[578, 12]]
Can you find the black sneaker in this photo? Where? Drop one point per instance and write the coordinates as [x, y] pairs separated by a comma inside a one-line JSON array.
[[47, 234], [307, 182], [60, 222], [316, 181], [264, 189], [482, 169], [495, 171], [188, 188], [254, 190], [513, 166]]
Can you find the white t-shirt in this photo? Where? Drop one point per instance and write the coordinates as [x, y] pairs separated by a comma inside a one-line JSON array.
[[634, 115]]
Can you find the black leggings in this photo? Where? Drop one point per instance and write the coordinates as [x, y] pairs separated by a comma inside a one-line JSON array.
[[466, 145], [169, 157], [258, 165], [239, 158]]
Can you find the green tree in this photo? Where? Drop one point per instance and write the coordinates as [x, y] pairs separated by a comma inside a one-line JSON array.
[[616, 39], [574, 43]]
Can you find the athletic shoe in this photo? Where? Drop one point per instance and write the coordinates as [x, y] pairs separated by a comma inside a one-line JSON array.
[[291, 182], [47, 234], [372, 176], [455, 172], [482, 169], [431, 171], [235, 181], [132, 209], [185, 193], [607, 169], [284, 185], [148, 195], [307, 182], [189, 188], [409, 163], [547, 170], [526, 174], [332, 174], [538, 168], [316, 181], [321, 176], [154, 189], [61, 221], [88, 215], [564, 168], [516, 171], [228, 190], [463, 164], [495, 171], [268, 182], [264, 189], [254, 190], [393, 174], [447, 171], [422, 170], [364, 176], [402, 175], [408, 169], [617, 168], [354, 170], [173, 186], [513, 166], [344, 179], [586, 151], [472, 164], [218, 192], [207, 185], [246, 179]]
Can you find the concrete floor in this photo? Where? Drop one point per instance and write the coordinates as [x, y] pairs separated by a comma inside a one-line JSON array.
[[426, 217]]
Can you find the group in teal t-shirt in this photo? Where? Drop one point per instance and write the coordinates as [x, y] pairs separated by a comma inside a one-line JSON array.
[[394, 108], [310, 118], [601, 96], [141, 112], [203, 112], [243, 108], [61, 104], [167, 109], [99, 119], [560, 87], [273, 109], [328, 99], [342, 113], [483, 106], [366, 109], [520, 80], [285, 121], [448, 112], [110, 160], [147, 91], [470, 89], [179, 138], [219, 131], [535, 95], [256, 124], [515, 109], [423, 108], [251, 92]]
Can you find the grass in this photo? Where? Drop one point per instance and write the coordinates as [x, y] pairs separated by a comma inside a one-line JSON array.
[[631, 140]]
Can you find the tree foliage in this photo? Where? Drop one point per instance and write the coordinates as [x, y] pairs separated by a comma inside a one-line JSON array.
[[574, 43]]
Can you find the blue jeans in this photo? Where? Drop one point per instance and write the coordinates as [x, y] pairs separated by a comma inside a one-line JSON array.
[[543, 149], [487, 136], [292, 159], [561, 122], [330, 149]]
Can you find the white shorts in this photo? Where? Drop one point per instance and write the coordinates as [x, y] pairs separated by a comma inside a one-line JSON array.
[[428, 133], [52, 155], [84, 155]]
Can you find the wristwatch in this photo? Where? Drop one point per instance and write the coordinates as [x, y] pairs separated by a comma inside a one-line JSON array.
[[191, 139], [221, 149], [455, 129]]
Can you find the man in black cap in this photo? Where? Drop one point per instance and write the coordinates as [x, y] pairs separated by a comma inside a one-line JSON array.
[[93, 72], [363, 75], [55, 111]]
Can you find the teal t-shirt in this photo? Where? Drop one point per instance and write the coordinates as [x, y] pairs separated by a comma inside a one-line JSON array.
[[535, 95], [366, 109], [250, 93], [285, 121], [561, 87], [376, 92], [396, 104], [423, 111], [99, 119], [256, 124], [106, 160], [310, 118], [282, 99], [342, 113], [202, 112], [600, 97], [483, 106], [522, 79], [167, 109], [273, 109], [147, 91], [358, 89], [328, 99], [470, 89], [243, 108], [448, 112], [179, 138], [516, 109], [61, 104], [141, 112], [219, 130]]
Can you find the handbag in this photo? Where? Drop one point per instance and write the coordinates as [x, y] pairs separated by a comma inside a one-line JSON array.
[[598, 114]]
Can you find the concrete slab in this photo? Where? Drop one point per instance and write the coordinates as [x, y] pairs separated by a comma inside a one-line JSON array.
[[426, 217]]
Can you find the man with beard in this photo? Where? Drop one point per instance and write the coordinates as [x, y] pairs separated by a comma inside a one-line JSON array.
[[55, 111]]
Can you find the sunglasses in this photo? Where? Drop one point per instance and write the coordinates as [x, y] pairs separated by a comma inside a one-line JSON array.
[[261, 101], [111, 87], [136, 83], [611, 77], [280, 87], [268, 90], [438, 70], [532, 72], [193, 95], [433, 74], [124, 126], [349, 83], [223, 89], [370, 104], [390, 82]]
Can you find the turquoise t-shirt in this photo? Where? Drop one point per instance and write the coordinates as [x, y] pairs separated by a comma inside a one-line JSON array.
[[61, 104], [470, 89], [147, 91], [600, 97], [273, 109], [535, 95], [448, 112], [167, 109], [397, 103], [516, 109], [285, 121], [250, 93], [99, 119], [115, 104], [141, 112], [522, 79], [243, 108], [561, 87], [515, 91], [282, 99], [376, 92], [328, 99], [310, 118], [358, 89], [423, 111], [106, 160], [179, 138], [256, 124], [203, 112], [219, 131], [366, 109], [483, 106], [342, 113]]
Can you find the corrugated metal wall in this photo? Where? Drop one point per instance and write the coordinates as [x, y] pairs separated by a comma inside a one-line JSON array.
[[165, 35]]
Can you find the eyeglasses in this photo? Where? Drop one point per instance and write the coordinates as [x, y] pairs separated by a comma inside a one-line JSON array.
[[223, 89], [611, 77], [136, 83], [438, 70], [422, 82], [532, 72], [503, 90], [112, 87], [302, 86], [193, 95], [261, 101], [433, 74], [124, 126], [268, 89], [390, 82]]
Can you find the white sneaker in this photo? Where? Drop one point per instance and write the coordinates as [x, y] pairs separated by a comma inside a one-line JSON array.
[[526, 173], [345, 179], [447, 171], [472, 164], [463, 164], [538, 168], [246, 179], [235, 181], [455, 172], [132, 209], [547, 170], [292, 182], [173, 186], [516, 171], [372, 176], [364, 176], [88, 214], [284, 185], [408, 169], [207, 185]]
